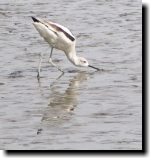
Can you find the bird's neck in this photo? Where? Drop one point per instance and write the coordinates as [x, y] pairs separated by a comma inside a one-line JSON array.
[[73, 57]]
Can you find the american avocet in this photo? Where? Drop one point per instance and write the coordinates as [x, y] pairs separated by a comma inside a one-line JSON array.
[[61, 38]]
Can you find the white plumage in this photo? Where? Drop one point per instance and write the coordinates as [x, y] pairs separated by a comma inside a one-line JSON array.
[[61, 38]]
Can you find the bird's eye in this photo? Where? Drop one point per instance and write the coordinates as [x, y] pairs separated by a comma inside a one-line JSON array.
[[84, 61]]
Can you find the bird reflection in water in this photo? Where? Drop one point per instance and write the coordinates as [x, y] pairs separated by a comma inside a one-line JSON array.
[[62, 103]]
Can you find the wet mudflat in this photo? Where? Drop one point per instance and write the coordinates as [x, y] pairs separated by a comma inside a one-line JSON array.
[[81, 109]]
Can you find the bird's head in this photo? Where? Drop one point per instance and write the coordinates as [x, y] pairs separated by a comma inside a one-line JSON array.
[[84, 63]]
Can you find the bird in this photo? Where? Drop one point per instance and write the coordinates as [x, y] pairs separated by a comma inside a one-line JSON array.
[[61, 38]]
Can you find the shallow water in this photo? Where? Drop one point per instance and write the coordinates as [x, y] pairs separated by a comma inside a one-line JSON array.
[[81, 109]]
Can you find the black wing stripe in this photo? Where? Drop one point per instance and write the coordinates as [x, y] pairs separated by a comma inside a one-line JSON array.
[[56, 27], [61, 30]]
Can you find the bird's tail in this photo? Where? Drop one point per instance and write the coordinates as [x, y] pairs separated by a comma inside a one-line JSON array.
[[35, 19]]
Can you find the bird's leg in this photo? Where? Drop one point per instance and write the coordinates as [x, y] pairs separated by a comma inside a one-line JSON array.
[[53, 64], [39, 67], [51, 52]]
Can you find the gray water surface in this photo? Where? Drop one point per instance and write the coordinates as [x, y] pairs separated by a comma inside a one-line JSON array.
[[81, 109]]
